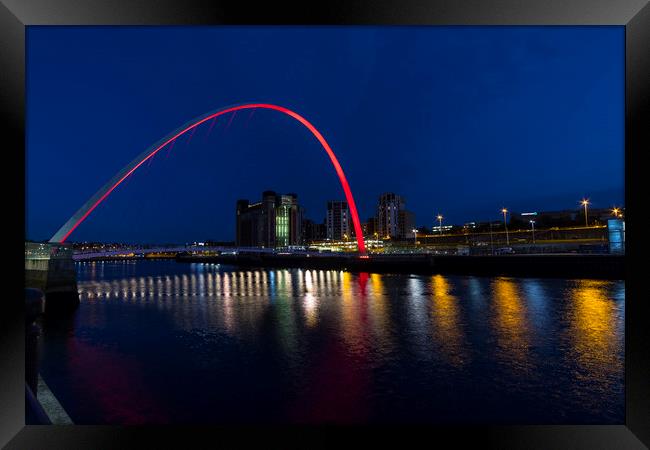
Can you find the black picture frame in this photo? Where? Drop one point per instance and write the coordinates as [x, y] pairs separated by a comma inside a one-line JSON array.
[[634, 15]]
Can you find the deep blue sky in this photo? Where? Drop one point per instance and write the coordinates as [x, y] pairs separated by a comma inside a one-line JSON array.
[[459, 120]]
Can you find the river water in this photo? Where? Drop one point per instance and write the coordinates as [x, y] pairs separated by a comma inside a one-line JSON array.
[[157, 342]]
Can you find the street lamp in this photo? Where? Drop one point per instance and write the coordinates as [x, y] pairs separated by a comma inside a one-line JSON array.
[[440, 222], [505, 223], [415, 236], [532, 224], [616, 212], [585, 202]]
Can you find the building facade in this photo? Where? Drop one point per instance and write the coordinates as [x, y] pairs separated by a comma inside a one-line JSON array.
[[387, 214], [370, 228], [337, 221], [313, 232], [405, 224], [276, 221], [392, 219]]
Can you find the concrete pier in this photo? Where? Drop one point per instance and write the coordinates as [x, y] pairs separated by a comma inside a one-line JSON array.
[[50, 268]]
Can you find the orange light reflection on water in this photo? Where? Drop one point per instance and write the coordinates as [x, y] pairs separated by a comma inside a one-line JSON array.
[[447, 332], [593, 330], [511, 325]]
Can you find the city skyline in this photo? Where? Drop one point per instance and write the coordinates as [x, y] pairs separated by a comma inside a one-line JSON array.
[[597, 216], [443, 150]]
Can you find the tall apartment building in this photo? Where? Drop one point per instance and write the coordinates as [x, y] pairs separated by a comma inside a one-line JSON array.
[[392, 219], [405, 223], [273, 222], [338, 220]]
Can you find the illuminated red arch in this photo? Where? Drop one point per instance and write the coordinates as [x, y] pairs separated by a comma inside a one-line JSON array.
[[64, 232]]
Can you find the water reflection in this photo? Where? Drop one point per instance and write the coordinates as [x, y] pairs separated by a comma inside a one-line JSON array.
[[353, 315], [418, 322], [378, 307], [447, 329], [596, 329], [511, 325], [285, 318], [310, 301], [339, 346]]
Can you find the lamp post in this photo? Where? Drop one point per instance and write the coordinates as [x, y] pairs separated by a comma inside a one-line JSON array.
[[585, 202], [616, 212], [415, 236], [440, 222], [505, 223], [532, 224]]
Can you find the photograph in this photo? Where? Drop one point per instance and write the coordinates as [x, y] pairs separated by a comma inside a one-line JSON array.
[[327, 225], [358, 223]]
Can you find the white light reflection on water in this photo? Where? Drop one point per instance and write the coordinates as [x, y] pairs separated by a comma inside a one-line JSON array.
[[523, 335]]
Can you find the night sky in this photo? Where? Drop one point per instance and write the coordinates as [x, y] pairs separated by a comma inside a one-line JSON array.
[[458, 120]]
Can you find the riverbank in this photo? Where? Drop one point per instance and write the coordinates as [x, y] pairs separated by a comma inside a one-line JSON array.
[[593, 266]]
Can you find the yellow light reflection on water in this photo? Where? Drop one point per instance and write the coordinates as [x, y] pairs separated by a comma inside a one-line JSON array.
[[447, 330], [351, 320], [379, 317], [511, 325], [593, 330]]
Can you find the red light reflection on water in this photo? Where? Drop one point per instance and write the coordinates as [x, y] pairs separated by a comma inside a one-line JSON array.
[[339, 388], [114, 385]]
